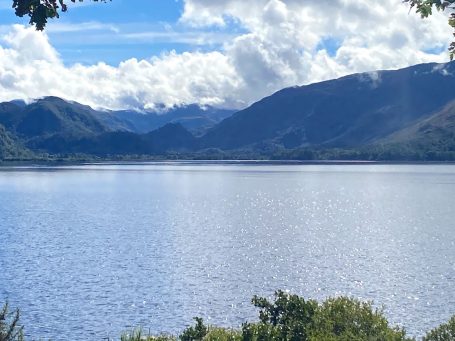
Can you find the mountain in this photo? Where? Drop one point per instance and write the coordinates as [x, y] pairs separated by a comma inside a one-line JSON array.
[[439, 127], [406, 114], [173, 137], [193, 117], [434, 135], [6, 144], [49, 116], [348, 112], [54, 125], [9, 147], [10, 114], [19, 102]]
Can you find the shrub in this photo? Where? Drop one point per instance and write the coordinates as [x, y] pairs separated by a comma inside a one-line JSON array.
[[9, 325], [289, 317], [445, 332], [138, 335], [221, 334], [201, 332], [198, 332], [348, 319]]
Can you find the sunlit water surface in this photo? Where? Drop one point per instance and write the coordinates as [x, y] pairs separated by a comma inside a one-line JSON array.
[[87, 252]]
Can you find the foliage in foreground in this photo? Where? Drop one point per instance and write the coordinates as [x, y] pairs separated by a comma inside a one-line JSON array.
[[348, 319], [292, 318], [40, 11], [445, 332], [286, 318], [9, 325], [425, 9]]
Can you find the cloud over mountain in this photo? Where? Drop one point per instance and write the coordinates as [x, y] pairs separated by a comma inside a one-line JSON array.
[[283, 43], [30, 66]]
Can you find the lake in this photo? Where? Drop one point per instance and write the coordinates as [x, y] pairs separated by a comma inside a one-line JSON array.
[[89, 251]]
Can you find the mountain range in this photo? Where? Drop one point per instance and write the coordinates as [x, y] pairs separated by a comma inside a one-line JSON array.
[[351, 111], [192, 117], [411, 109]]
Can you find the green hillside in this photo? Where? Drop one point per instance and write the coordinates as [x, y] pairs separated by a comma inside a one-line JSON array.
[[10, 148], [432, 138]]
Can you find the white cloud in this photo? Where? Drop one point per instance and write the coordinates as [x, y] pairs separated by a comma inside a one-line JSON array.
[[58, 27], [31, 68], [282, 46], [189, 37]]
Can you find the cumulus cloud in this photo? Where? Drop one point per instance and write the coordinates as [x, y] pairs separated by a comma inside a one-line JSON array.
[[30, 67], [283, 46], [285, 43]]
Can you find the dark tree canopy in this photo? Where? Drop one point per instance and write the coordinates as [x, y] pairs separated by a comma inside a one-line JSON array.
[[40, 11], [425, 9]]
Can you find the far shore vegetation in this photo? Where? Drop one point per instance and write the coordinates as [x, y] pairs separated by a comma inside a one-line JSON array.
[[386, 153], [287, 318]]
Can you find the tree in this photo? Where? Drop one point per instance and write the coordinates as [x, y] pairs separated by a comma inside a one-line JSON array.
[[197, 332], [343, 318], [288, 317], [445, 332], [9, 325], [40, 11], [425, 9], [292, 318]]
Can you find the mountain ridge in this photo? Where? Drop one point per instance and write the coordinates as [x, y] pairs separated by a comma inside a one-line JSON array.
[[193, 117], [311, 112], [383, 112]]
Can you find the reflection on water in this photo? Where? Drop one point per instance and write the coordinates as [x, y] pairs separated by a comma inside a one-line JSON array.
[[87, 251]]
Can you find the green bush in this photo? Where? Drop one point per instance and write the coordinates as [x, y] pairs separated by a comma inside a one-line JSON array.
[[292, 318], [347, 319], [198, 332], [289, 317], [286, 318], [445, 332], [260, 332], [221, 334], [201, 332], [138, 335], [9, 325]]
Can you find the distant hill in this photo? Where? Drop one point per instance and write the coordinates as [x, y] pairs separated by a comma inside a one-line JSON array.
[[438, 128], [406, 114], [171, 137], [433, 135], [54, 125], [10, 114], [348, 112], [49, 116], [193, 117]]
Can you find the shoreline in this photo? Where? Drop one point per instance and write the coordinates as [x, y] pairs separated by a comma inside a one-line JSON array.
[[58, 163]]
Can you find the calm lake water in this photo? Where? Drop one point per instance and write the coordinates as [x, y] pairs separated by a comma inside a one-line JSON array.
[[89, 251]]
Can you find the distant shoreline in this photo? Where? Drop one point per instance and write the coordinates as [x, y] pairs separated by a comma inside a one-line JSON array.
[[57, 163]]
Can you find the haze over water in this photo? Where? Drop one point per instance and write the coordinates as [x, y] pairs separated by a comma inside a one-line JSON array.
[[89, 251]]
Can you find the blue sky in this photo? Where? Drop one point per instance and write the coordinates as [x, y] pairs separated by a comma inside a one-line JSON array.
[[141, 54], [115, 31]]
